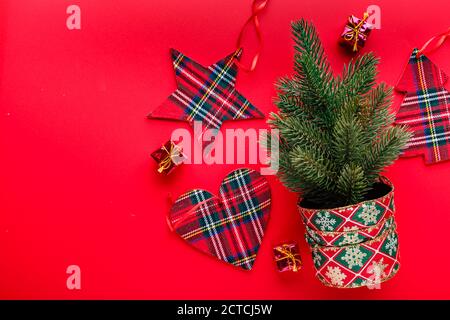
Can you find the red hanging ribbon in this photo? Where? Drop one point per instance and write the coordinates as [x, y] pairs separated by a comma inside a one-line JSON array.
[[434, 43], [257, 7]]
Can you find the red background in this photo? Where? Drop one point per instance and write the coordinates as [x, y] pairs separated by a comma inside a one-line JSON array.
[[77, 185]]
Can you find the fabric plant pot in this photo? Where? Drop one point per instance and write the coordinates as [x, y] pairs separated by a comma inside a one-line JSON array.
[[356, 245]]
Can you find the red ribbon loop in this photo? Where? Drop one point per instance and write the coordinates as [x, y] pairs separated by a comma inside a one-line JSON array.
[[257, 7], [434, 43]]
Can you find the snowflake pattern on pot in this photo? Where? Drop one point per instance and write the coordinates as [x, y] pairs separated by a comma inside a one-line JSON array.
[[314, 236], [389, 223], [354, 246], [378, 268], [354, 257], [391, 244], [335, 275], [364, 215], [350, 238], [350, 235], [369, 213], [361, 264], [377, 271], [325, 221], [317, 259]]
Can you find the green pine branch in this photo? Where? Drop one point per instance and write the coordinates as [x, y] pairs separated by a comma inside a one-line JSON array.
[[336, 133]]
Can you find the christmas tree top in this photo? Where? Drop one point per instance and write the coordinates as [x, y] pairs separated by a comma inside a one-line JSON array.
[[336, 133]]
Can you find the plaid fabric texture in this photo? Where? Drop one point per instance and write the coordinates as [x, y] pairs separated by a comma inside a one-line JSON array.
[[206, 94], [229, 226], [425, 109]]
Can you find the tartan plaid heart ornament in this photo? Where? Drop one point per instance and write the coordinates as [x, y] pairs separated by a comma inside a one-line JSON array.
[[425, 109], [229, 226]]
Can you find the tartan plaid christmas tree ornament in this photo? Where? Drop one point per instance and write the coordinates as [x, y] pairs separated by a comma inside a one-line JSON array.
[[229, 226], [206, 94], [425, 109]]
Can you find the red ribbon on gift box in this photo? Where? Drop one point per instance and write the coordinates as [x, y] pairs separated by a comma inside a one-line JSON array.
[[286, 253], [353, 30]]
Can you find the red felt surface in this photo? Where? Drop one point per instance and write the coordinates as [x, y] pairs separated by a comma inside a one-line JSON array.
[[77, 185]]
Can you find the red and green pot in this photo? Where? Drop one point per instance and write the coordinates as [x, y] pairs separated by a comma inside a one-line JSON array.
[[356, 245]]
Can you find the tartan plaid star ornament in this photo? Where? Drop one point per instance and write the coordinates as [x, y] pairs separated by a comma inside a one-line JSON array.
[[206, 94], [229, 226], [425, 109]]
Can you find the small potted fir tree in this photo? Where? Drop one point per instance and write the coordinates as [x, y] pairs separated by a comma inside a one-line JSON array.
[[336, 137]]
